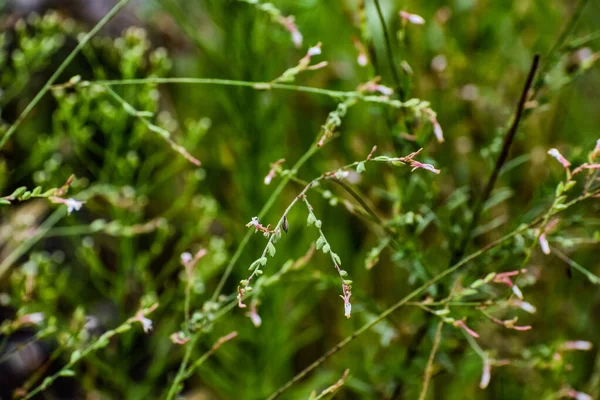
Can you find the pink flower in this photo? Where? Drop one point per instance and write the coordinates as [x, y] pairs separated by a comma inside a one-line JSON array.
[[437, 130], [415, 164], [504, 278], [412, 18], [556, 154], [544, 244], [374, 86], [146, 322], [289, 24], [254, 317], [582, 345], [140, 317], [346, 298], [461, 324]]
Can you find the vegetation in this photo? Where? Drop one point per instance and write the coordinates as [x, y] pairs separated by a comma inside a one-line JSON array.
[[306, 199]]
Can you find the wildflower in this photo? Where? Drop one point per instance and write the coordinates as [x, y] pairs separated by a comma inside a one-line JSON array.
[[544, 244], [437, 130], [274, 167], [346, 298], [240, 297], [429, 167], [140, 317], [559, 157], [72, 204], [186, 257], [373, 86], [582, 345], [254, 317], [525, 306], [33, 318], [412, 18], [504, 278], [290, 24], [179, 338], [461, 324], [362, 58], [314, 51], [146, 322], [486, 375]]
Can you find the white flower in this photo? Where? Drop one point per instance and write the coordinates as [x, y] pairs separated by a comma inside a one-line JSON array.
[[146, 324], [544, 244], [583, 345], [517, 291], [315, 50], [73, 205], [297, 38], [486, 374], [525, 306], [412, 18], [556, 154], [186, 257]]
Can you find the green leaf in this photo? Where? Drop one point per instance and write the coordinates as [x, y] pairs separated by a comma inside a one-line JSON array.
[[360, 168], [271, 249]]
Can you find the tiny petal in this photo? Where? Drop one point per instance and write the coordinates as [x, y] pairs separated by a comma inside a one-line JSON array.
[[362, 59], [582, 345], [486, 375], [347, 310], [255, 318], [412, 18], [544, 244], [386, 91], [186, 257], [437, 131], [525, 306], [517, 291], [268, 179], [429, 167], [297, 38], [33, 318], [559, 157], [315, 50]]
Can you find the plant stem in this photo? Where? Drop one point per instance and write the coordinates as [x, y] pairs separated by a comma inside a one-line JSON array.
[[508, 140], [60, 70], [389, 50]]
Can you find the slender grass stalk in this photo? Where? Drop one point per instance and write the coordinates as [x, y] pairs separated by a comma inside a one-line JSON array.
[[390, 51], [429, 366], [11, 130], [508, 140], [56, 216]]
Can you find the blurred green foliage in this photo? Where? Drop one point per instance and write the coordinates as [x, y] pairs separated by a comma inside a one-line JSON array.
[[144, 204]]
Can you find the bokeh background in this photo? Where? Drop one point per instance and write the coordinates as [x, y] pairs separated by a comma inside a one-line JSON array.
[[145, 204]]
